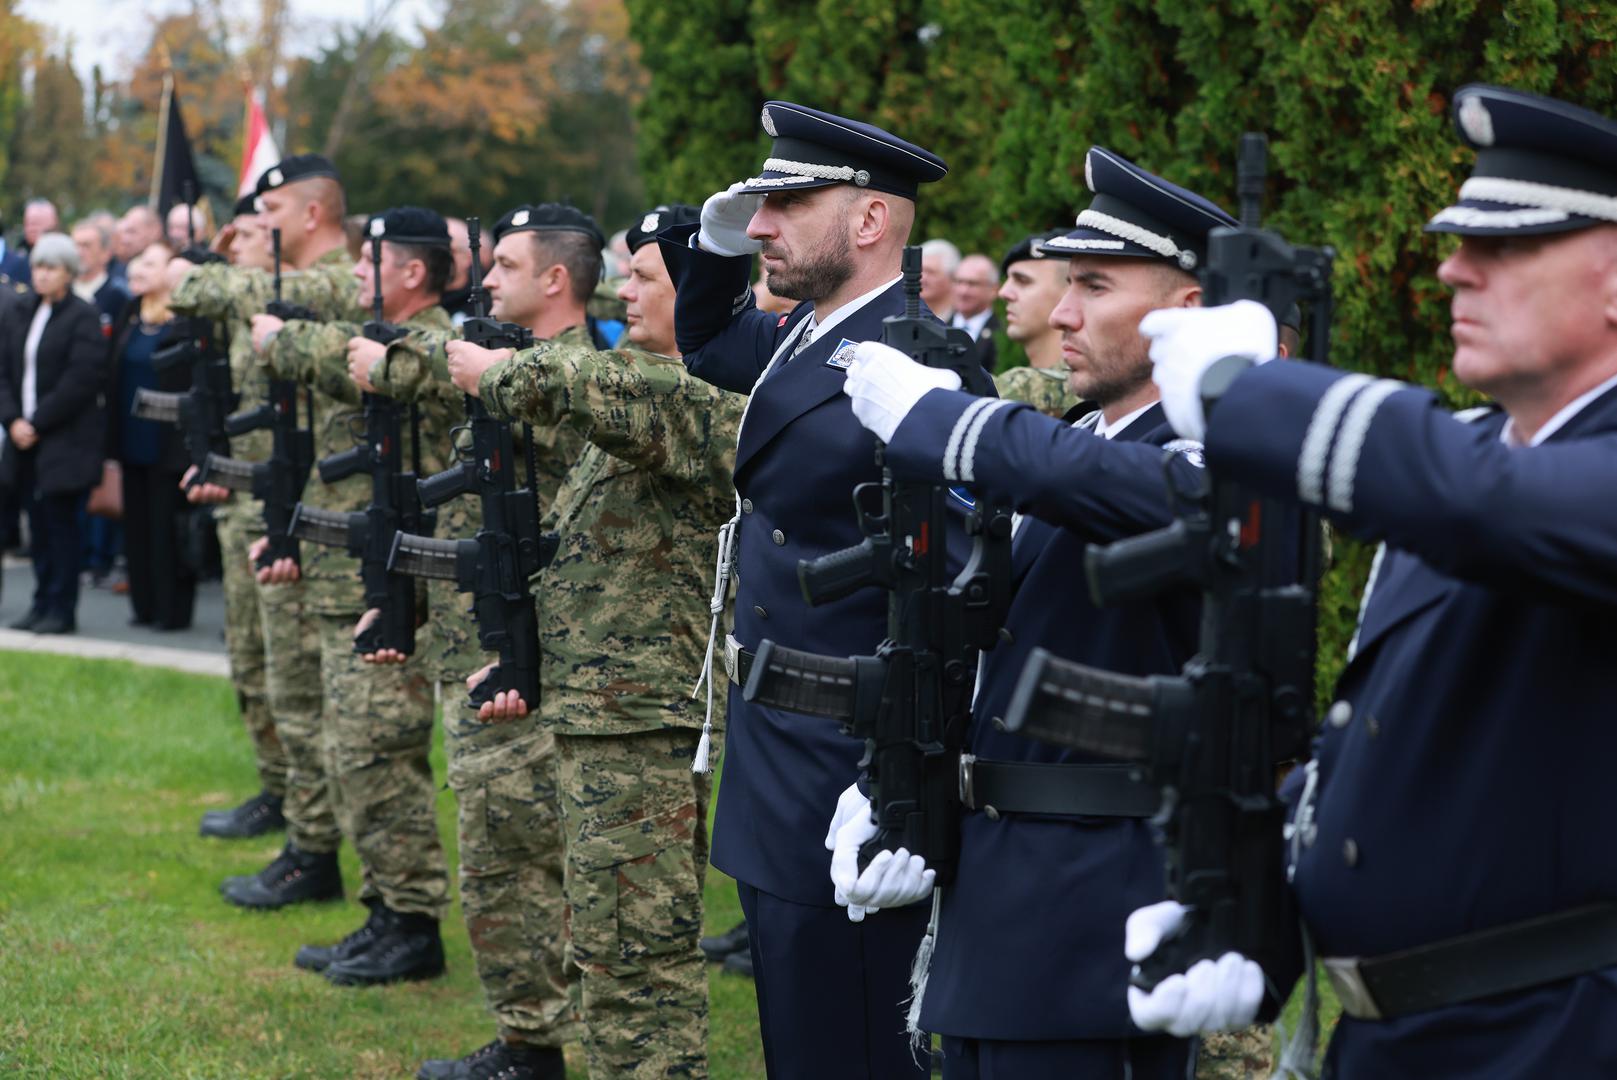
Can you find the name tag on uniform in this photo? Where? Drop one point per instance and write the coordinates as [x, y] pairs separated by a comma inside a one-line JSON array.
[[843, 355]]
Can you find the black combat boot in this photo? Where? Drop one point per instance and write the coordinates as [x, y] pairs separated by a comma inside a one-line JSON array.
[[320, 957], [719, 946], [739, 963], [499, 1060], [255, 817], [293, 877], [403, 947]]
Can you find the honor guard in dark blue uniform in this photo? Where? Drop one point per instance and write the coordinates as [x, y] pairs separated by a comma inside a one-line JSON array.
[[829, 215], [1449, 853], [1027, 971]]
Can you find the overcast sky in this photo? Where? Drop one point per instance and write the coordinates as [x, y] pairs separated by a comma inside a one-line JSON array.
[[113, 34]]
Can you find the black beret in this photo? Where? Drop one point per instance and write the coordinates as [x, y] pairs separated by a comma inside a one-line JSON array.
[[289, 170], [549, 217], [1138, 215], [659, 218], [815, 149], [1543, 166], [1028, 248], [409, 225], [247, 204]]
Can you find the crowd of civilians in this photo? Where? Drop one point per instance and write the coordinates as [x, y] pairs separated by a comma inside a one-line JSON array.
[[82, 317]]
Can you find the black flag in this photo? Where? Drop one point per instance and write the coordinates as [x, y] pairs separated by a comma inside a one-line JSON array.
[[174, 169]]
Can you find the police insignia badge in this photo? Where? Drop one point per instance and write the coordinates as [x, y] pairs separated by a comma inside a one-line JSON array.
[[768, 122], [842, 356], [1476, 121], [1190, 448]]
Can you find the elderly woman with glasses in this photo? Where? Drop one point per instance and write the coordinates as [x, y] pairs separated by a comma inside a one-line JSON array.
[[52, 372]]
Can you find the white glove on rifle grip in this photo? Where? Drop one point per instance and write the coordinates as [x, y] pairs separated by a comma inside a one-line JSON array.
[[1221, 995], [724, 222], [885, 385], [893, 878], [1185, 342]]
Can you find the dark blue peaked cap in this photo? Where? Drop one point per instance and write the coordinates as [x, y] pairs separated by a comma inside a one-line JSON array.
[[816, 149], [1137, 215], [1543, 166]]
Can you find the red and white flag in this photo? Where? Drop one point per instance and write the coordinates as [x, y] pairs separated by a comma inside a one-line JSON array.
[[258, 150]]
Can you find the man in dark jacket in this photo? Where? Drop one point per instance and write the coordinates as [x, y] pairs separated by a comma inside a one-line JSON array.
[[52, 357]]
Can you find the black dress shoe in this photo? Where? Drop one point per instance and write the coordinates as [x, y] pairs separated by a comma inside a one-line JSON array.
[[27, 621], [54, 624], [739, 963], [499, 1059], [320, 957], [255, 817], [404, 947], [733, 940], [293, 877]]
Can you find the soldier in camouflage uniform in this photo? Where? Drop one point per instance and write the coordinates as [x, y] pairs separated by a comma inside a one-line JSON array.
[[377, 721], [503, 774], [300, 196], [624, 619], [1032, 286], [238, 523]]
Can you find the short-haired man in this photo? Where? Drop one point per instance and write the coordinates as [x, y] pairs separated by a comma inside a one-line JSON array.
[[138, 227], [302, 197], [623, 622], [971, 296], [829, 215], [1466, 934], [1026, 976], [1033, 286], [377, 721], [39, 217], [939, 260], [93, 283]]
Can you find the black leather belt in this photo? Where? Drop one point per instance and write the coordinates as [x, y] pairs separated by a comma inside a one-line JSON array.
[[1018, 787], [1517, 956]]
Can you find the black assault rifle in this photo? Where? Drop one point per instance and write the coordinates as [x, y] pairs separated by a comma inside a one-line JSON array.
[[495, 565], [1213, 737], [911, 700], [278, 482], [368, 534]]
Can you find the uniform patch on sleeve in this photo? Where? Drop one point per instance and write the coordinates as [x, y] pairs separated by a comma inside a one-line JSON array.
[[842, 356], [1190, 448]]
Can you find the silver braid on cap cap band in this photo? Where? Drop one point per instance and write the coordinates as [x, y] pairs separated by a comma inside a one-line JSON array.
[[846, 174], [1147, 239], [1548, 196]]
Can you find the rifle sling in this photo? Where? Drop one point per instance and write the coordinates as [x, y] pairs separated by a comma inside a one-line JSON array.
[[1504, 959], [1022, 787]]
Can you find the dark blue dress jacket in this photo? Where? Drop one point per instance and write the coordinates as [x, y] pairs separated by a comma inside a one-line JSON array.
[[1470, 786], [1030, 941]]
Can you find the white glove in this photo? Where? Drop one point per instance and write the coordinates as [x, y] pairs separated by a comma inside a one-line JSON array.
[[724, 222], [1185, 342], [853, 817], [1221, 995], [885, 385]]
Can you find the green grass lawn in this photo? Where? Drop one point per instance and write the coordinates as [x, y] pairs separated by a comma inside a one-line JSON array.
[[119, 959]]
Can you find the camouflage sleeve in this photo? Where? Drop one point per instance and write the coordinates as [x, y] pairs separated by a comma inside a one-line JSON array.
[[219, 292], [1045, 390], [645, 410], [314, 353], [415, 365]]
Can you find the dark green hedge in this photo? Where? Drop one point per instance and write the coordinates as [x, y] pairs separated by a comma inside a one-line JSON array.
[[1353, 94]]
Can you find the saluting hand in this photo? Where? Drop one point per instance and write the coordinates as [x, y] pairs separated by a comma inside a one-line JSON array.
[[725, 217], [467, 362]]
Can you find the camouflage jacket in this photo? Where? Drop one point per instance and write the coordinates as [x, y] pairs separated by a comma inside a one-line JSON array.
[[316, 354], [623, 607], [1043, 388], [231, 296], [416, 369]]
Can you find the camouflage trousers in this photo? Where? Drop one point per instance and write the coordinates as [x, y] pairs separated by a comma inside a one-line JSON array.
[[292, 679], [377, 725], [1236, 1055], [504, 779], [634, 821], [244, 643]]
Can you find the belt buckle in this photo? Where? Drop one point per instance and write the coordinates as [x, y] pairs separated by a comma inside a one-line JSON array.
[[1351, 990], [732, 656], [968, 792]]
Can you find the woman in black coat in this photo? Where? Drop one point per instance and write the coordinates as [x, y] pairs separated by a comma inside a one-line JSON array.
[[157, 519], [52, 374]]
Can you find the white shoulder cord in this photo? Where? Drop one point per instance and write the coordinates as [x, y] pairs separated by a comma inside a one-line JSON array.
[[722, 573]]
